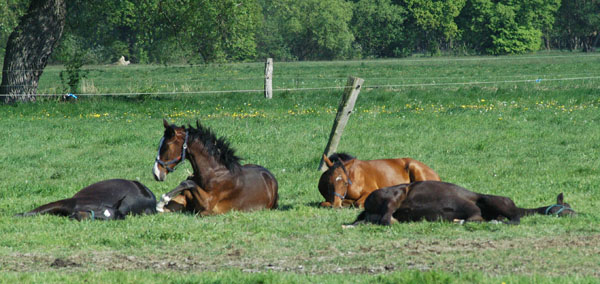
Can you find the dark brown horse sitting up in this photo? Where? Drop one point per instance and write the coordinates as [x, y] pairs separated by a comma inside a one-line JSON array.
[[105, 200], [348, 181], [433, 200], [219, 182]]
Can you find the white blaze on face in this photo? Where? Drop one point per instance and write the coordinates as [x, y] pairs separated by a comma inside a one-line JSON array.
[[157, 173]]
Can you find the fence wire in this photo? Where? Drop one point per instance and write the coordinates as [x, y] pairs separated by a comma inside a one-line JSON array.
[[365, 86]]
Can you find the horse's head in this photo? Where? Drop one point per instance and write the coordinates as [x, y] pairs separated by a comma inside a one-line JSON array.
[[171, 150], [561, 208], [335, 181]]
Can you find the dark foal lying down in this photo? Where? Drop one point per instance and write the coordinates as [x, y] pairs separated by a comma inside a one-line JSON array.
[[434, 200], [106, 200]]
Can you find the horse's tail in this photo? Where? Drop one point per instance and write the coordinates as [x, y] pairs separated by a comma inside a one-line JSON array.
[[418, 171], [63, 207], [276, 202], [274, 185], [271, 187]]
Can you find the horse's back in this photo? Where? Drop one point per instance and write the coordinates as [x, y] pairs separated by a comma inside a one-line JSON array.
[[388, 172], [260, 187], [134, 197], [433, 200]]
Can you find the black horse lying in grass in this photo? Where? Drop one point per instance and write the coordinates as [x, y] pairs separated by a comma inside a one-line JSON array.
[[106, 200], [434, 200]]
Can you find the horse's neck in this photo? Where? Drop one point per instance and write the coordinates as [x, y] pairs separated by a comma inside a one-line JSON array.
[[532, 211], [207, 171]]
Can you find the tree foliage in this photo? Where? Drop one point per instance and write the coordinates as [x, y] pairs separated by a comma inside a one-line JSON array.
[[378, 27], [312, 29], [578, 25], [434, 21], [10, 12], [197, 31], [507, 26]]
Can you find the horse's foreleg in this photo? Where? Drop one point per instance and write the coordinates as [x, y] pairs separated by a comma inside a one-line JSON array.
[[347, 203], [202, 200], [165, 198], [176, 204], [387, 218], [360, 203]]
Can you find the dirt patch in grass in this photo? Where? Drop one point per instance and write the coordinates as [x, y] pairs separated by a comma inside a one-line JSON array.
[[554, 256]]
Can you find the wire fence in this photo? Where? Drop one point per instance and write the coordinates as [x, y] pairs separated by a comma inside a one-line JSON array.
[[365, 86], [233, 78]]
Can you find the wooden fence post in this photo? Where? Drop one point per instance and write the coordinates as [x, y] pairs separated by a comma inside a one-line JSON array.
[[343, 114], [269, 78]]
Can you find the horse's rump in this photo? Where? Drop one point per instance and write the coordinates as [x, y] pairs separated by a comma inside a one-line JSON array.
[[260, 185]]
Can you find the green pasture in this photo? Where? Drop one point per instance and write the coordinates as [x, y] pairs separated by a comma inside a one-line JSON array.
[[481, 122]]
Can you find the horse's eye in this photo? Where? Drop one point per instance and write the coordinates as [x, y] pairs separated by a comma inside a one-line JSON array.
[[338, 178]]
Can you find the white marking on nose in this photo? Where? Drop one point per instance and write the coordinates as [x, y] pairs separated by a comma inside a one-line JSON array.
[[157, 173]]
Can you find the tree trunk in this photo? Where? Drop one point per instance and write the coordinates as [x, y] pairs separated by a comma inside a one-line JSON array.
[[29, 47], [595, 43]]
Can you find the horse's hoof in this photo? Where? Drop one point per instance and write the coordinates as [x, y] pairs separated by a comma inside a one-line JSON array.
[[164, 200], [459, 221], [348, 226]]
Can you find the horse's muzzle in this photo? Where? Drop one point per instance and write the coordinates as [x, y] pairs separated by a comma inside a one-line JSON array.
[[158, 174]]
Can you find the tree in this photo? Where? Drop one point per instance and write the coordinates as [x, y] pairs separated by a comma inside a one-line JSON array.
[[313, 29], [506, 26], [435, 20], [10, 12], [378, 27], [216, 30], [29, 47], [578, 25]]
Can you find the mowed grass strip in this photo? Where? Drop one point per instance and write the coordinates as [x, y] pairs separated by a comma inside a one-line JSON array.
[[528, 141]]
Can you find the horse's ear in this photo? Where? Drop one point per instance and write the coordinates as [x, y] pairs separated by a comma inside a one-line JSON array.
[[327, 161], [166, 124], [560, 199], [349, 163]]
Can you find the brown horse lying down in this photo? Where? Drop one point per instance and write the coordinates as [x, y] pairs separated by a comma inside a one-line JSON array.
[[105, 200], [220, 183], [348, 181], [433, 200]]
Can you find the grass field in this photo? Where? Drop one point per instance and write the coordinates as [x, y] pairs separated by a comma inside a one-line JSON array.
[[483, 123]]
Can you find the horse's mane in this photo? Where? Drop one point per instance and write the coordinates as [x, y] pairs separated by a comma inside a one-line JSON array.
[[335, 157], [217, 147]]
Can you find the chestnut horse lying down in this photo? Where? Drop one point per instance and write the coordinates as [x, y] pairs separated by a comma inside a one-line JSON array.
[[348, 181], [106, 200], [434, 200]]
